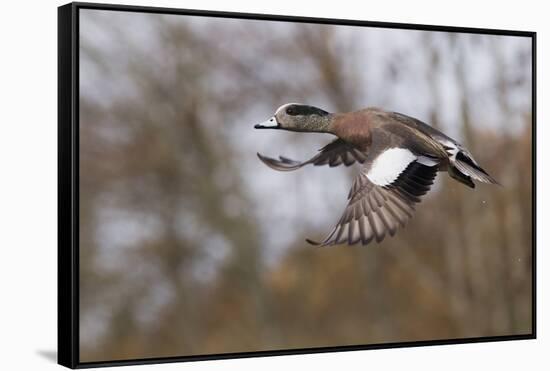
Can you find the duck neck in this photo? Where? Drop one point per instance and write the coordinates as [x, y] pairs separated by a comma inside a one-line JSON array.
[[320, 124]]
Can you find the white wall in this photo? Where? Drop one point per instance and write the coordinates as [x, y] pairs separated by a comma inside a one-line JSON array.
[[28, 145]]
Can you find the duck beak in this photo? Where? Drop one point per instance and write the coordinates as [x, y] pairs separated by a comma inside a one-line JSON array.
[[269, 124]]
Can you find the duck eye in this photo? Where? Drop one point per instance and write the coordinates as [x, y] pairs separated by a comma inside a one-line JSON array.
[[291, 111]]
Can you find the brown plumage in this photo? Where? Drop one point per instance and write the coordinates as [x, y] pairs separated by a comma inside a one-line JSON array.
[[400, 158]]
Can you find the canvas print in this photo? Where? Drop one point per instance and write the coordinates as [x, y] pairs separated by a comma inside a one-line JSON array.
[[259, 185]]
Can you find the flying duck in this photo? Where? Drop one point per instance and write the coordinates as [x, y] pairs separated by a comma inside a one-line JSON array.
[[400, 158]]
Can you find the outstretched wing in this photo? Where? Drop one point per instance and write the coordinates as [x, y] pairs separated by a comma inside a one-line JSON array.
[[335, 153], [382, 197]]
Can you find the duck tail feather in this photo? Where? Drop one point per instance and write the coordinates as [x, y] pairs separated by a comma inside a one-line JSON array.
[[471, 169], [461, 177], [464, 168]]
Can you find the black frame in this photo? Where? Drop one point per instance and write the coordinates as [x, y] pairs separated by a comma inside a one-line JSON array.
[[68, 181]]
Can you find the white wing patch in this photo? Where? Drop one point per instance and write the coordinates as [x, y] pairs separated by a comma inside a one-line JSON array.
[[389, 164]]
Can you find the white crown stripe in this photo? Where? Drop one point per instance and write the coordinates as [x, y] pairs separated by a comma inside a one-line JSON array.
[[389, 164]]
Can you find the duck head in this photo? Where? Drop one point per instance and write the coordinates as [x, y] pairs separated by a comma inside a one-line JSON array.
[[298, 117]]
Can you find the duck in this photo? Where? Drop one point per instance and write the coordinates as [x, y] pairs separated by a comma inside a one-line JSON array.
[[399, 158]]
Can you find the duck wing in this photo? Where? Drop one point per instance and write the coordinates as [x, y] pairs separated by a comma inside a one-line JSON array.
[[333, 154], [382, 197], [421, 126], [464, 166]]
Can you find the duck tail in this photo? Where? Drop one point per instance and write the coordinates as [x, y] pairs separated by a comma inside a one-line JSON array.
[[463, 168]]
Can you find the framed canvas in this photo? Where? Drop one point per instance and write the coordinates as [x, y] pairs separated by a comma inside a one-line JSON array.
[[198, 219]]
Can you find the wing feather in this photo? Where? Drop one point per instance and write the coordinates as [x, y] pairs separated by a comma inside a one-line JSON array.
[[335, 153], [375, 211]]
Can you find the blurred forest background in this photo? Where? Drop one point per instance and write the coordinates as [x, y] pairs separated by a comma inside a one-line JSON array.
[[189, 245]]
